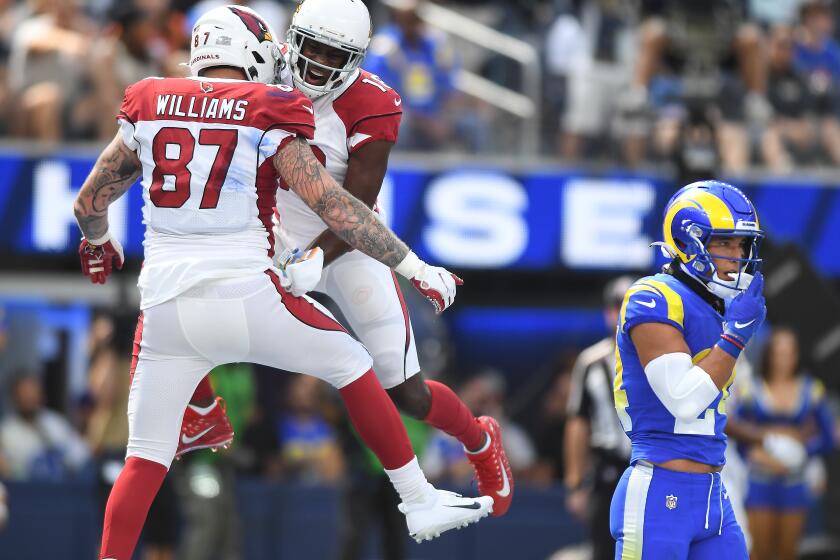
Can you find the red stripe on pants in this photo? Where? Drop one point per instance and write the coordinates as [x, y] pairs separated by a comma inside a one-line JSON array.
[[303, 310], [135, 349]]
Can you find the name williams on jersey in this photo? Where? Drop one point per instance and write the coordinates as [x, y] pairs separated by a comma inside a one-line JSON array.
[[173, 105]]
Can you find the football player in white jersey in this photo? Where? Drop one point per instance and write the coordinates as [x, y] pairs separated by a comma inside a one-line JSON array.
[[210, 149], [357, 120]]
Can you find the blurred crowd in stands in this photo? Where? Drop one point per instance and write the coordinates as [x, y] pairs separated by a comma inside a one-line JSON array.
[[720, 84]]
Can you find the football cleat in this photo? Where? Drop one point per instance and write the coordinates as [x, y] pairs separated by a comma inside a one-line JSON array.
[[202, 431], [492, 468], [443, 511]]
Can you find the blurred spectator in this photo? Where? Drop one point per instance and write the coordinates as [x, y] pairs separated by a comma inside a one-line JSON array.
[[368, 497], [550, 424], [422, 67], [597, 451], [791, 409], [790, 135], [4, 507], [4, 339], [38, 444], [11, 14], [595, 50], [806, 109], [816, 55], [126, 52], [108, 383], [696, 38], [308, 448], [443, 459], [816, 52], [485, 394], [207, 482], [47, 72]]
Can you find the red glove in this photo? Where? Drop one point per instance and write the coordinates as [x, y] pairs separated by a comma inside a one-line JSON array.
[[97, 257]]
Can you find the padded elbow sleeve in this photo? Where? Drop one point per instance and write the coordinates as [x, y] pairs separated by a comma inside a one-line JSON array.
[[686, 390]]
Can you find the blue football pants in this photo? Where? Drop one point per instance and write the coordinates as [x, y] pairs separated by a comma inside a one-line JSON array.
[[658, 514]]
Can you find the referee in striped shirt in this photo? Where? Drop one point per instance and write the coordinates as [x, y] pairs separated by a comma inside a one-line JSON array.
[[596, 449]]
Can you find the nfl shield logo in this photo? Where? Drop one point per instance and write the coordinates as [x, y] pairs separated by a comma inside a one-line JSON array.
[[671, 501]]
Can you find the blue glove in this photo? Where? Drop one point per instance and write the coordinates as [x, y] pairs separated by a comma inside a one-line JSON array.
[[743, 317]]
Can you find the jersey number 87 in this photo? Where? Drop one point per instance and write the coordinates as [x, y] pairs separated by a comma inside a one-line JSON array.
[[176, 167]]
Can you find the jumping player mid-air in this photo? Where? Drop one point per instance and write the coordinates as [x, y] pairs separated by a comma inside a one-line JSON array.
[[210, 149], [678, 337], [357, 119]]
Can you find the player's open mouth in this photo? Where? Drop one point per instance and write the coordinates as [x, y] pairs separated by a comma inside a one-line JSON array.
[[317, 76]]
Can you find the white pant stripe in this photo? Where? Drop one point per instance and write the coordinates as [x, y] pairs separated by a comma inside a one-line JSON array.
[[634, 512]]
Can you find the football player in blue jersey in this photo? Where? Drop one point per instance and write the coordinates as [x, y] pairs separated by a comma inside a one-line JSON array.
[[678, 337]]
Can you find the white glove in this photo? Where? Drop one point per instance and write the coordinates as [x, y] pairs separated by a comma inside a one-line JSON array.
[[300, 271], [786, 450], [437, 284]]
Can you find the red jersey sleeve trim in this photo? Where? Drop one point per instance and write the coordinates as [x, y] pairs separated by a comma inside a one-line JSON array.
[[387, 130]]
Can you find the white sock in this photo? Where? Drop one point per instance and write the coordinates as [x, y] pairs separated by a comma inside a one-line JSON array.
[[410, 482], [483, 447], [203, 410]]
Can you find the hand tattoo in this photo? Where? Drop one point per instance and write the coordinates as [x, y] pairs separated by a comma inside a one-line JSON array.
[[345, 214], [114, 172]]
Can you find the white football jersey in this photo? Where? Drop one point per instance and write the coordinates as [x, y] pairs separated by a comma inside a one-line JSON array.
[[208, 180], [363, 110]]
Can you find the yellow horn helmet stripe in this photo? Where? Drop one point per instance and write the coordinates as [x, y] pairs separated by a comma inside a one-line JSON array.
[[719, 216]]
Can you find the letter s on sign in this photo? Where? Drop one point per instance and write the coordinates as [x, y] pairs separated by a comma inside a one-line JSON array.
[[476, 219]]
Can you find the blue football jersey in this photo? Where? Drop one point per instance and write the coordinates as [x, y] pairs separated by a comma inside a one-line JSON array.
[[656, 435]]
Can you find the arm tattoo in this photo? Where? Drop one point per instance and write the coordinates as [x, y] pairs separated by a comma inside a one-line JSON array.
[[345, 214], [114, 172]]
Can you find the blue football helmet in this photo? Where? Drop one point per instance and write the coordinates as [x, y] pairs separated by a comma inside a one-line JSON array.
[[703, 210]]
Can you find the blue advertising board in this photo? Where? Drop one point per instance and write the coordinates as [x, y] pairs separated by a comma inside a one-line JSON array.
[[463, 216]]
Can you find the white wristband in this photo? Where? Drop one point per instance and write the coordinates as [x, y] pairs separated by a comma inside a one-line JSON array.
[[410, 266], [102, 240]]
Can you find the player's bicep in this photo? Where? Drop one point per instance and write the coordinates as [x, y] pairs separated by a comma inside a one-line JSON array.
[[657, 339], [366, 168]]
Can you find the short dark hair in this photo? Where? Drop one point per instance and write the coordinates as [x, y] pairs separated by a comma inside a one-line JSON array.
[[125, 13]]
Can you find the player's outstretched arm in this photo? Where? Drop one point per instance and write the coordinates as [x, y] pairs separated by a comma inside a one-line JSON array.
[[366, 169], [345, 214], [114, 172], [356, 224]]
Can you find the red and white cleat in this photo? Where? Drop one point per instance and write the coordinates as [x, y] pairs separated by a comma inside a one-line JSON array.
[[209, 430], [492, 468]]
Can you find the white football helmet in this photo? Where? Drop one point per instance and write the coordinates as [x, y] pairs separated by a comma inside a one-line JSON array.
[[236, 36], [342, 24]]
